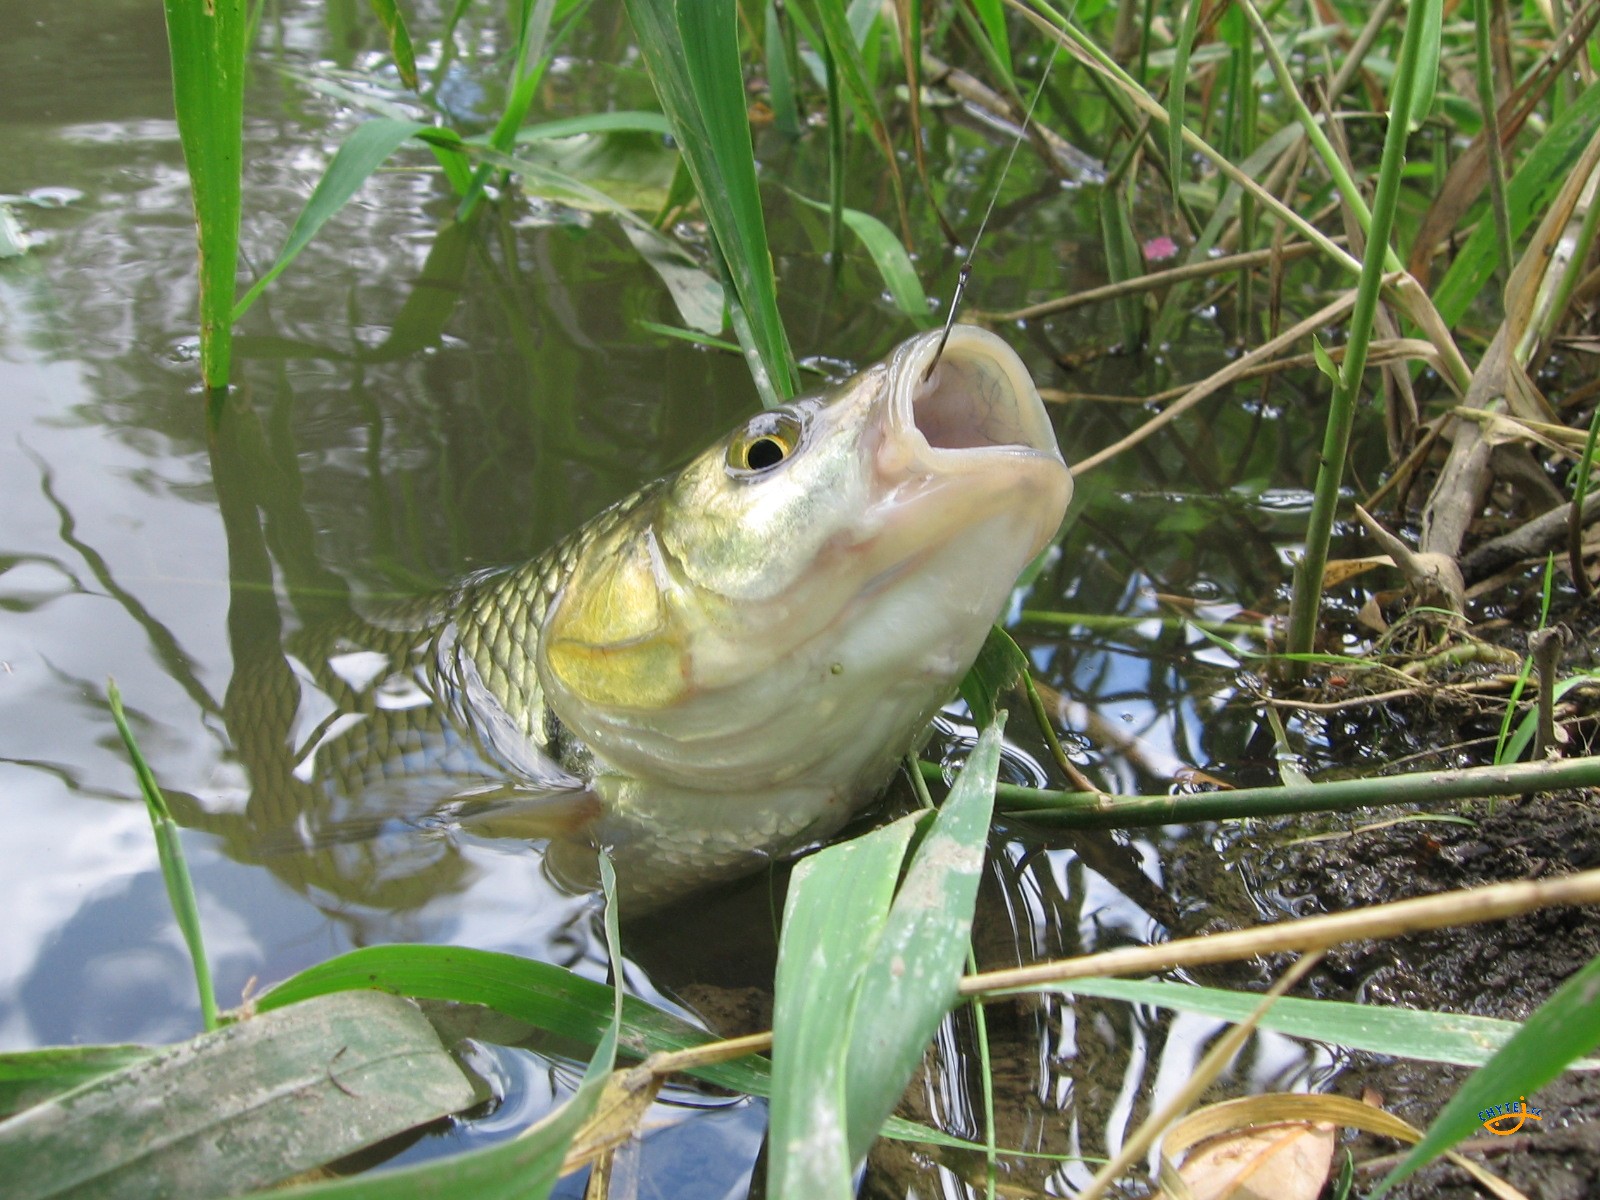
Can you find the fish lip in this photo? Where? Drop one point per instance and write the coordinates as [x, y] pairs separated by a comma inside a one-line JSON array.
[[978, 403]]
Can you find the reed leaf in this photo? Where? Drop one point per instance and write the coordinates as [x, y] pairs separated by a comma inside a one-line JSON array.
[[394, 27], [836, 909], [899, 273], [1177, 92], [206, 39], [692, 52], [241, 1107], [910, 984], [549, 997], [362, 153], [29, 1077], [863, 982], [1457, 1038], [1528, 196]]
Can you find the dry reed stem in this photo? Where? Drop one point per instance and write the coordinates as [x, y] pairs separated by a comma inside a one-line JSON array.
[[1220, 379], [1468, 906], [1380, 352], [1152, 281]]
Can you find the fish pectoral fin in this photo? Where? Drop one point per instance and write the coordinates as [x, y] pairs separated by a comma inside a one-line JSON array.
[[610, 639], [525, 814]]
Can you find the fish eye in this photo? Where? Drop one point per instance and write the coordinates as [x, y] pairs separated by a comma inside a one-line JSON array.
[[766, 440]]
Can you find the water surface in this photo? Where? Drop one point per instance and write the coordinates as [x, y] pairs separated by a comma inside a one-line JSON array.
[[415, 401]]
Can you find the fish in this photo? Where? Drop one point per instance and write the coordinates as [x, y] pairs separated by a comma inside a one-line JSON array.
[[715, 672]]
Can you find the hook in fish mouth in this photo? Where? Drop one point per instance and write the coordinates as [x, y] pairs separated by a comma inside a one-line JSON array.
[[963, 398]]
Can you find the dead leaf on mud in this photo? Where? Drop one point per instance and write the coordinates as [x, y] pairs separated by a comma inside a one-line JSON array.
[[1274, 1162], [1235, 1126]]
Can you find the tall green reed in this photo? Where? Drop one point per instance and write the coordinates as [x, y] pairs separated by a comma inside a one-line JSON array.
[[1421, 35], [206, 39]]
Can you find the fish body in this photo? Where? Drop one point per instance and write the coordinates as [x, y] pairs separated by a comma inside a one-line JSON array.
[[726, 665]]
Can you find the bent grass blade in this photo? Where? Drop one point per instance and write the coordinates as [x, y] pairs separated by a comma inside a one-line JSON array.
[[692, 54], [174, 868]]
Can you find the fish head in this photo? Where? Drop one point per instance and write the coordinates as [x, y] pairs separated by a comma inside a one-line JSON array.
[[793, 606]]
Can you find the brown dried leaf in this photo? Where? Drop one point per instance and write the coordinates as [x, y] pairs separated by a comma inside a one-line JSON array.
[[1340, 569], [1274, 1162]]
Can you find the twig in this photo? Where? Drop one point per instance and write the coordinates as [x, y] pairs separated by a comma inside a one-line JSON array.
[[1469, 906], [1531, 540], [1545, 645], [1220, 379], [1156, 279]]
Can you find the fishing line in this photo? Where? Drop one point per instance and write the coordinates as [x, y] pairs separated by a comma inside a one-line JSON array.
[[966, 266]]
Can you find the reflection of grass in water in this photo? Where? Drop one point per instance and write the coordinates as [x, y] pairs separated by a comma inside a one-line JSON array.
[[1220, 203]]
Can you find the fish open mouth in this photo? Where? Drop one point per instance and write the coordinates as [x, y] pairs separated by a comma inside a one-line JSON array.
[[978, 398]]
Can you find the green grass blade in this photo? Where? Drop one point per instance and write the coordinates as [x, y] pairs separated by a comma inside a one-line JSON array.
[[174, 869], [911, 982], [1177, 93], [991, 16], [838, 902], [394, 26], [692, 52], [524, 1168], [240, 1108], [1528, 197], [781, 90], [1562, 1028], [1407, 1033], [1427, 82], [533, 45], [206, 39], [363, 152], [843, 32], [1123, 263], [699, 298], [890, 257], [540, 994], [996, 670], [620, 121]]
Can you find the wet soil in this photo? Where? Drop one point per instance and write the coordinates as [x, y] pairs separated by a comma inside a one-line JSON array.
[[1502, 969]]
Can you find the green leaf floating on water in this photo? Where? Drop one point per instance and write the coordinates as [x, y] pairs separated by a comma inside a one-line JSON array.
[[29, 1077], [242, 1108], [542, 994]]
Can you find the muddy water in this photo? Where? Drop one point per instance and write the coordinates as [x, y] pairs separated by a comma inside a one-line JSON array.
[[414, 404]]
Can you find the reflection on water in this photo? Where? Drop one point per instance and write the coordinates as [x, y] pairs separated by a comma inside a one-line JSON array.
[[417, 401]]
